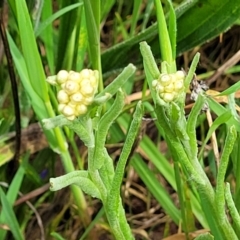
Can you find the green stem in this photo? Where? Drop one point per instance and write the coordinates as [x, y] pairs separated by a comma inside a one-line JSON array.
[[232, 208], [221, 229], [176, 146], [69, 167], [114, 210], [103, 128], [117, 180], [95, 175], [79, 198], [181, 197], [191, 126], [219, 199]]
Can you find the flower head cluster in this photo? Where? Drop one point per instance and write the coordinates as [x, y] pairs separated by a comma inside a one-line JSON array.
[[77, 91], [169, 86]]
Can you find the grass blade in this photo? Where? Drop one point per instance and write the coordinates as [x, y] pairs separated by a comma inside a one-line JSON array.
[[10, 216]]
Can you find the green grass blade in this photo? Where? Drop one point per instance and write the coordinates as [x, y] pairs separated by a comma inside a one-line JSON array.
[[172, 29], [188, 36], [147, 13], [10, 216], [30, 51], [224, 118], [135, 16], [106, 7], [36, 101], [83, 43], [92, 14], [47, 35], [234, 88], [68, 36], [157, 190], [12, 193], [164, 40], [57, 236], [47, 21], [92, 224], [218, 109]]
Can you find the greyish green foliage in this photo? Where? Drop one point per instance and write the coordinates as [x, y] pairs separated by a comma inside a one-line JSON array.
[[190, 24]]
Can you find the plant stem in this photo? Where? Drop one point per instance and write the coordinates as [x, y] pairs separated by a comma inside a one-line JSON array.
[[232, 208], [220, 228], [76, 191]]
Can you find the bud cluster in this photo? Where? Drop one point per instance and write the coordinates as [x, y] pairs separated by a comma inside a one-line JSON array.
[[77, 91], [169, 86]]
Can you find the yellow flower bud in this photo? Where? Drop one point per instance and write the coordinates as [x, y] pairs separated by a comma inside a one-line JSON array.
[[180, 74], [160, 88], [81, 109], [94, 82], [68, 111], [165, 79], [87, 90], [62, 76], [71, 87], [71, 118], [169, 88], [85, 73], [154, 83], [178, 85], [88, 100], [77, 91], [62, 97], [61, 106], [74, 76], [167, 97], [76, 98]]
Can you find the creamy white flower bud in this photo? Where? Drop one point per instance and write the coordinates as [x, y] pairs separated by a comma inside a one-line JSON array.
[[167, 97], [87, 90], [62, 97], [178, 85], [76, 98], [74, 76], [71, 87], [93, 81], [160, 88], [71, 118], [165, 79], [77, 91], [62, 76], [169, 88], [61, 106], [88, 100], [154, 83], [68, 111], [180, 74], [86, 73], [81, 109]]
